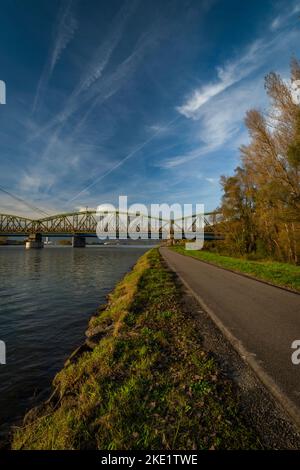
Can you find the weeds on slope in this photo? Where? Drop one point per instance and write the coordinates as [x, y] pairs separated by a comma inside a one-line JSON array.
[[146, 385]]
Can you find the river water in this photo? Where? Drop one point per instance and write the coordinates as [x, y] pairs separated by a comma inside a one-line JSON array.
[[46, 299]]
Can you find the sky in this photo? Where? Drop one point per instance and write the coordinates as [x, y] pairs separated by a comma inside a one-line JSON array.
[[139, 98]]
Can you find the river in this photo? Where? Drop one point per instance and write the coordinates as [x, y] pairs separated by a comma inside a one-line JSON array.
[[46, 299]]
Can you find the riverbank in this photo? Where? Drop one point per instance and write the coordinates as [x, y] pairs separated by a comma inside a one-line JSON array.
[[280, 274], [47, 299], [146, 384]]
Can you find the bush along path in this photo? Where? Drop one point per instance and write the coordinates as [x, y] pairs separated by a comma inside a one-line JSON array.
[[142, 380]]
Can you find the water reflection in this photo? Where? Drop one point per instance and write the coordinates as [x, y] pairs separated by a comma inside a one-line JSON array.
[[46, 299]]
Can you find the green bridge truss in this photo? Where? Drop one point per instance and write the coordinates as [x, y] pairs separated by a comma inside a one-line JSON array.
[[86, 222]]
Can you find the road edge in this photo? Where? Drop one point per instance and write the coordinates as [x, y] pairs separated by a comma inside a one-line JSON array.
[[287, 405]]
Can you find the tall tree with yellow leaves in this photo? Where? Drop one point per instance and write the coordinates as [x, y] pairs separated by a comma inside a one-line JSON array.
[[261, 203]]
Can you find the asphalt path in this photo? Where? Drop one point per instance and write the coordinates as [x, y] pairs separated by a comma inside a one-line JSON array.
[[262, 321]]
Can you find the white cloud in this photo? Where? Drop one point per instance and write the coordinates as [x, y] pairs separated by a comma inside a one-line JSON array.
[[63, 33], [101, 57], [281, 20], [219, 123], [212, 180], [237, 69], [228, 75], [219, 106], [275, 24], [102, 88]]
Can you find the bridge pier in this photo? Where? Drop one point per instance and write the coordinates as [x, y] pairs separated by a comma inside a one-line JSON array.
[[34, 240], [78, 241]]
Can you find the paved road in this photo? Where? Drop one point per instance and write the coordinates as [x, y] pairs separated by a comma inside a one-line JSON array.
[[265, 319]]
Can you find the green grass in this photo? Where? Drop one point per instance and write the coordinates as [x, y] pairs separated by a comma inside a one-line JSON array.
[[148, 384], [281, 274]]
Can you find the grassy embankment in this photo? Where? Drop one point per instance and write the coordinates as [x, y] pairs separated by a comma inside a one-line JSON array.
[[281, 274], [147, 384]]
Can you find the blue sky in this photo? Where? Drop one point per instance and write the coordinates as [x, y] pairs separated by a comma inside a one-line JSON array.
[[138, 98]]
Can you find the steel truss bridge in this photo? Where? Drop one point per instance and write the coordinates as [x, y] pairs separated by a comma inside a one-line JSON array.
[[108, 223]]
